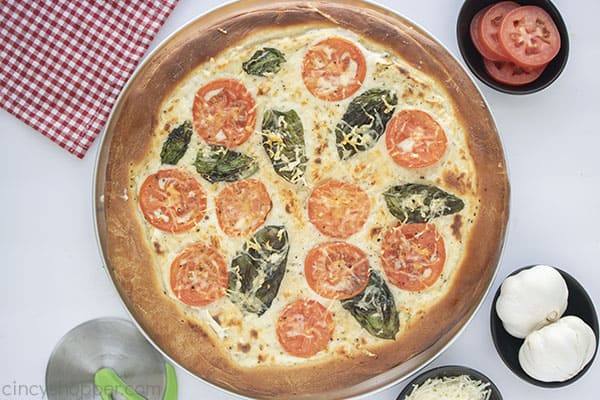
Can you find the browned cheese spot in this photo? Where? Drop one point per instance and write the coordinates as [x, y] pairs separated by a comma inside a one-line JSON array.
[[215, 242], [408, 93], [234, 322], [375, 232], [289, 208], [244, 347], [157, 248], [263, 90], [320, 149], [457, 181], [360, 168], [402, 70], [254, 334], [360, 343], [172, 106], [292, 206], [456, 225]]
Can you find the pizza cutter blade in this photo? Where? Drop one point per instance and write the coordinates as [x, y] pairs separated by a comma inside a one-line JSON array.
[[107, 344]]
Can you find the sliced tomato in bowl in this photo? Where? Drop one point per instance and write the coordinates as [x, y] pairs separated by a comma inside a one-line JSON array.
[[489, 28], [508, 45], [509, 73], [476, 38], [529, 36]]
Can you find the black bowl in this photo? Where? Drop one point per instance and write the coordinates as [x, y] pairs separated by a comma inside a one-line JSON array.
[[579, 304], [450, 370], [475, 62]]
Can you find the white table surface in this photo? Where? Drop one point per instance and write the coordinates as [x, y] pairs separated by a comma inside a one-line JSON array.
[[52, 276]]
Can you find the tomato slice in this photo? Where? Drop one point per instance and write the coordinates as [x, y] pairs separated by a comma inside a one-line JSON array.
[[529, 36], [242, 207], [304, 328], [333, 69], [490, 26], [224, 112], [337, 270], [338, 209], [511, 74], [476, 39], [413, 256], [415, 140], [199, 275], [172, 200]]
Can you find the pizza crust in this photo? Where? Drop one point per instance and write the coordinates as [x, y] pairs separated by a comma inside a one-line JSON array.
[[129, 258]]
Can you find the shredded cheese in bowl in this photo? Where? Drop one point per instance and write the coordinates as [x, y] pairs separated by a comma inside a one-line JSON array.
[[461, 387]]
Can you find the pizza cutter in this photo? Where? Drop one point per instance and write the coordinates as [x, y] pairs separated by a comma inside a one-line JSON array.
[[107, 359]]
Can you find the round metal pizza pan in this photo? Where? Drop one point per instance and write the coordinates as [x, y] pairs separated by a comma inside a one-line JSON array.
[[368, 387]]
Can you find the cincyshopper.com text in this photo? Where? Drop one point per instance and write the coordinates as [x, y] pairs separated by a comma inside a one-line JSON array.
[[15, 390]]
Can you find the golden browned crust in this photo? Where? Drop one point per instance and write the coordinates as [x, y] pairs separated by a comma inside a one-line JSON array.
[[129, 258]]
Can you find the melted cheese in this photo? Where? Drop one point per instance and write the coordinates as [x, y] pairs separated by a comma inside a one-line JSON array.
[[251, 340]]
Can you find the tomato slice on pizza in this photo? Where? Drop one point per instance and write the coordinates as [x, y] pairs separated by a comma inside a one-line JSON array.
[[333, 69], [199, 275], [304, 328], [415, 140], [338, 209], [413, 256], [242, 207], [224, 112], [172, 200], [336, 270]]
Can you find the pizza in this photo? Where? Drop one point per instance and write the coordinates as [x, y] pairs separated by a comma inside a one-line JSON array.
[[299, 197]]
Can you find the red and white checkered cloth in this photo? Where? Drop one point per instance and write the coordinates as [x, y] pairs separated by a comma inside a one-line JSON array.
[[64, 62]]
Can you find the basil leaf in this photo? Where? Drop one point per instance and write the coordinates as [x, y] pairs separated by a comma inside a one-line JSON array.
[[414, 202], [266, 61], [283, 140], [375, 309], [364, 121], [256, 272], [176, 144], [219, 164]]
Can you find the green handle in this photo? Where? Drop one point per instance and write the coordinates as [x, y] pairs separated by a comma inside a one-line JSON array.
[[171, 386], [107, 381]]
